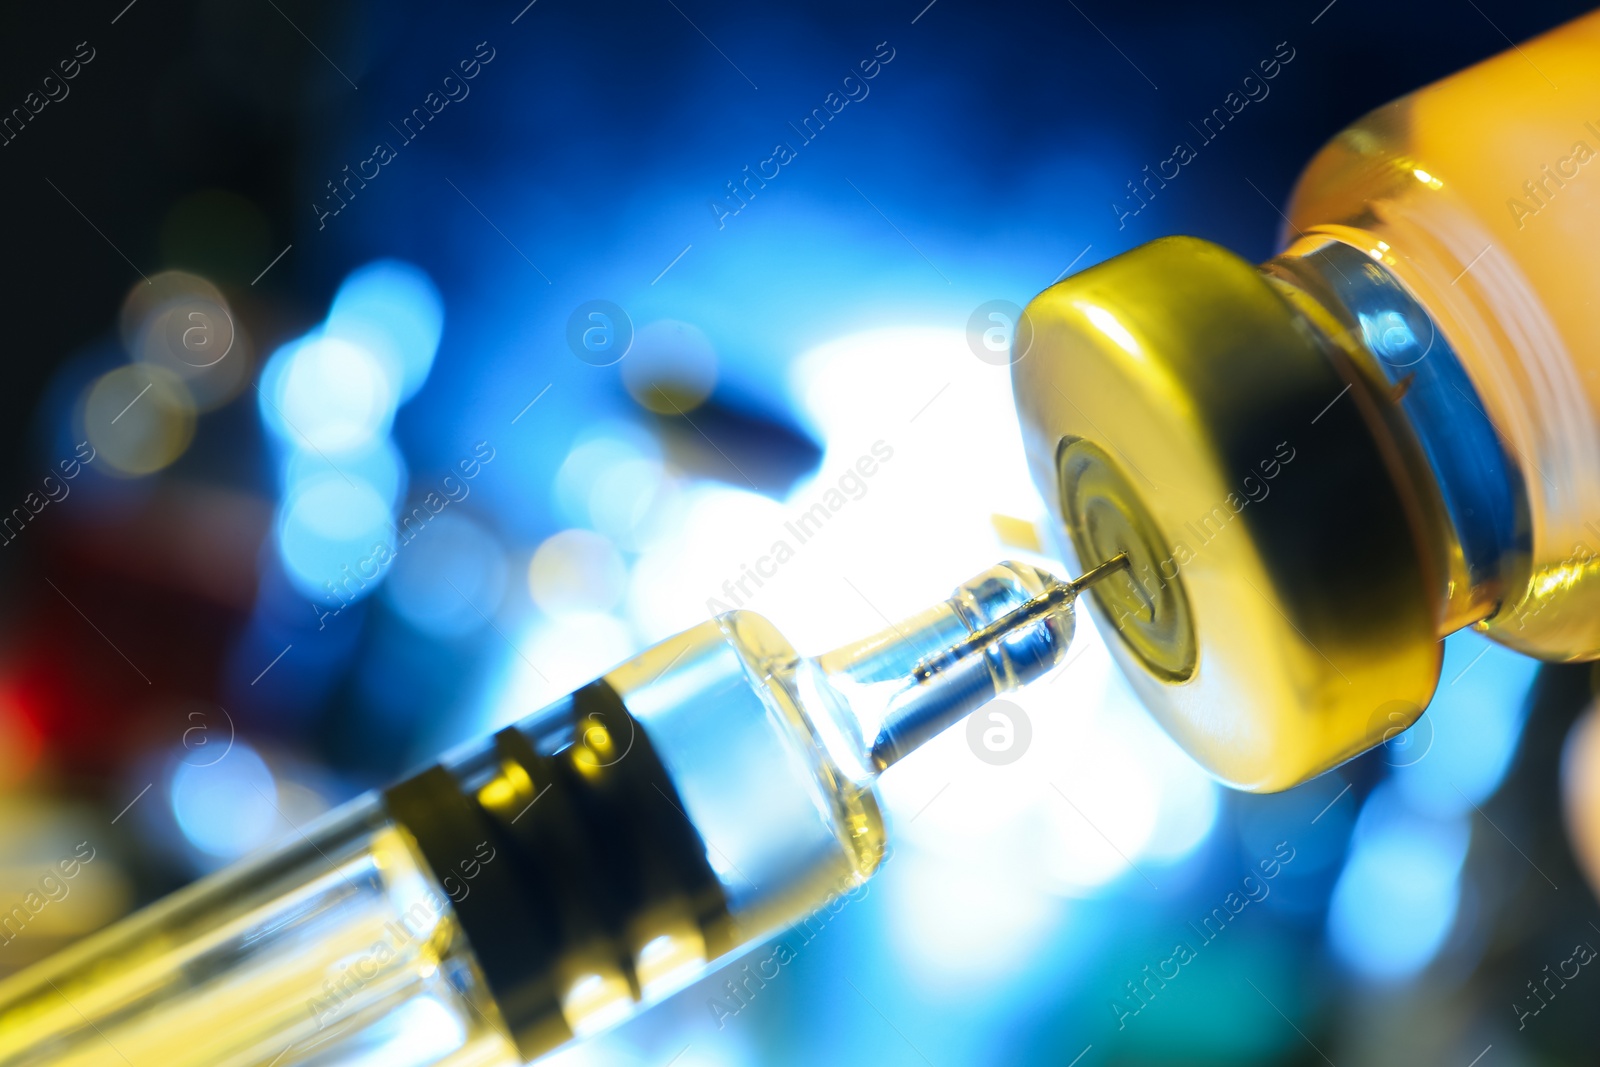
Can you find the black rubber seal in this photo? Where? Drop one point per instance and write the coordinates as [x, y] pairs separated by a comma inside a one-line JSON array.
[[600, 859]]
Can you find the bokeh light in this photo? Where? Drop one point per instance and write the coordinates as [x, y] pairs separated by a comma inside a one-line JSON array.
[[379, 465], [20, 742], [392, 310], [182, 323], [327, 395], [148, 299], [1397, 898], [615, 481], [448, 583], [329, 399], [336, 538], [671, 368], [228, 807], [1458, 753], [576, 571], [1580, 789], [139, 418]]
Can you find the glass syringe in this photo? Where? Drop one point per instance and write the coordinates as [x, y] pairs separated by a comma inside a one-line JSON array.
[[550, 880]]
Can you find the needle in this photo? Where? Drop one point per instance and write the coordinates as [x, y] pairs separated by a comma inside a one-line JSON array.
[[944, 688], [1052, 599]]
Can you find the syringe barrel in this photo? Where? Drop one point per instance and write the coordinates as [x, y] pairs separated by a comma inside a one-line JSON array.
[[543, 883], [340, 939], [547, 881]]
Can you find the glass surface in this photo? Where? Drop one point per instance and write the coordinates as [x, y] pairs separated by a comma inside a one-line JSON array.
[[340, 947], [782, 827], [335, 948], [1480, 194]]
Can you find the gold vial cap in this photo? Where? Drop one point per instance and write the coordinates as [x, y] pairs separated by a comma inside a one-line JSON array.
[[1279, 613]]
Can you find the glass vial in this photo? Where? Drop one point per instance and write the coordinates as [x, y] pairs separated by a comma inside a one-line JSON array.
[[1321, 466], [1477, 201]]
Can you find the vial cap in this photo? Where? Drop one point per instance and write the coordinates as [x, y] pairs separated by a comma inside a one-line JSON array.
[[1280, 612]]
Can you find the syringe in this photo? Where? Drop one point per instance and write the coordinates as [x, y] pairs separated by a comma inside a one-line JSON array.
[[549, 881]]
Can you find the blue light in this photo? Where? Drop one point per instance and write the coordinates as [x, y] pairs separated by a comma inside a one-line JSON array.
[[335, 538], [596, 456], [1391, 335], [1397, 898], [443, 581], [225, 808], [269, 392], [1466, 741], [391, 309], [381, 466]]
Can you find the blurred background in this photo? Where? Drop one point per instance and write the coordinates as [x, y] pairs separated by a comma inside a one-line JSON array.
[[523, 309]]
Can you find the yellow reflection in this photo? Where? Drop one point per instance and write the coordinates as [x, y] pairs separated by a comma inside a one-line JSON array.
[[594, 751], [139, 418], [509, 791], [1568, 574]]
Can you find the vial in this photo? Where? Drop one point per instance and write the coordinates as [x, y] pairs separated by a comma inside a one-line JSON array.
[[1321, 466]]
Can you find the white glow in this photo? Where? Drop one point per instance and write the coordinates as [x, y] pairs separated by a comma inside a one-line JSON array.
[[327, 395], [576, 571], [1187, 799], [421, 1031], [998, 848], [1107, 323], [923, 521], [1111, 803], [698, 559], [1188, 808], [552, 657], [597, 1002], [960, 926], [1098, 768]]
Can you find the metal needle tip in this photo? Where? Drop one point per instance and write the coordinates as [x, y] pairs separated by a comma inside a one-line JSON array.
[[1022, 615], [1116, 563]]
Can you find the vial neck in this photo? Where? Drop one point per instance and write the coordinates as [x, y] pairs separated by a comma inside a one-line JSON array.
[[884, 696], [1467, 496]]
